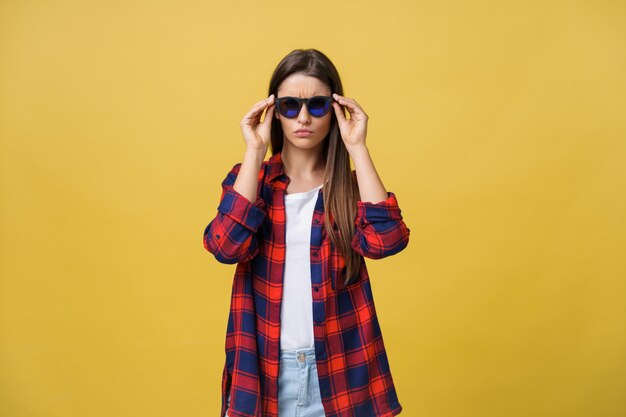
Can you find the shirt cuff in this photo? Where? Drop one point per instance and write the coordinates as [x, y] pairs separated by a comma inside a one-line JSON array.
[[240, 209], [368, 212]]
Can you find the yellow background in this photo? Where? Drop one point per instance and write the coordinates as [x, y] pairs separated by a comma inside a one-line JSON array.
[[499, 126]]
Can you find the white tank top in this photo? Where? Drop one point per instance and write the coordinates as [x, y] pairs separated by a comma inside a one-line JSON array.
[[296, 312]]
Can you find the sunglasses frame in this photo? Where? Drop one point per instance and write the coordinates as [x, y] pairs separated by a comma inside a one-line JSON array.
[[304, 101]]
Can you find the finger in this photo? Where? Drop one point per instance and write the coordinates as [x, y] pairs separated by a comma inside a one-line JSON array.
[[264, 103], [355, 109], [341, 117], [351, 104], [340, 97], [259, 107], [252, 117], [269, 114], [340, 101]]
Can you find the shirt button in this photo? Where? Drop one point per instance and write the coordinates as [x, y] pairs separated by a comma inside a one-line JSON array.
[[217, 236], [316, 221], [316, 289], [314, 253]]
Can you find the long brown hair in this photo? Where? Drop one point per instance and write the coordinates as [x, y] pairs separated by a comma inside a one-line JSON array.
[[340, 190]]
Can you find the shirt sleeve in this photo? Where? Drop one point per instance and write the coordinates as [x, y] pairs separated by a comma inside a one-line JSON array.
[[232, 234], [380, 230]]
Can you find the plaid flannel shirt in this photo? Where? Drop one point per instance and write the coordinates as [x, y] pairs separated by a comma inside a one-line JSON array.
[[354, 374]]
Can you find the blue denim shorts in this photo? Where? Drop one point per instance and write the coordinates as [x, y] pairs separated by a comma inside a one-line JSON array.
[[298, 386]]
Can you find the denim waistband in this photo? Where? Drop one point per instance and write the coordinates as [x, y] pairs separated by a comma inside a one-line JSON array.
[[297, 357]]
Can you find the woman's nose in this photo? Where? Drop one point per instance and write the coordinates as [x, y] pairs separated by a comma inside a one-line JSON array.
[[304, 115]]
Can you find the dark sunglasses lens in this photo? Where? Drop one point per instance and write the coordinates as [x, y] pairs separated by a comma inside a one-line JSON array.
[[319, 106], [289, 108]]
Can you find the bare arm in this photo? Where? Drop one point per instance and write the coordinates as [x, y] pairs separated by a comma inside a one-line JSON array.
[[247, 180], [371, 187]]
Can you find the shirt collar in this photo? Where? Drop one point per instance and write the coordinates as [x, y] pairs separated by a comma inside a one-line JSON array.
[[276, 167]]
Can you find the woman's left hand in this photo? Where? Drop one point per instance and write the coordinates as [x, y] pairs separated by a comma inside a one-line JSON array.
[[353, 131]]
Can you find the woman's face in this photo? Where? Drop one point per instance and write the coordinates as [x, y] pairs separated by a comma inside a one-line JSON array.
[[304, 86]]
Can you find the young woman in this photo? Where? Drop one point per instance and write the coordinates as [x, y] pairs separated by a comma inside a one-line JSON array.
[[303, 338]]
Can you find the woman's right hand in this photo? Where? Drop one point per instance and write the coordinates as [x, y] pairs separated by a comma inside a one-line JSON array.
[[255, 133]]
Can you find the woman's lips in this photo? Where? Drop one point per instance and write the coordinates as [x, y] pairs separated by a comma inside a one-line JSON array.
[[303, 133]]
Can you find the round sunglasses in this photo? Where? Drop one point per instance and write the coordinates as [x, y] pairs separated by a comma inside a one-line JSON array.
[[317, 106]]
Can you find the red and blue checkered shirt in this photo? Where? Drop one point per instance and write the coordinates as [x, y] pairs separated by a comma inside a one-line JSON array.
[[353, 369]]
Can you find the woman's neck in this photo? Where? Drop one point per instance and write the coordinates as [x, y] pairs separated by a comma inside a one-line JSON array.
[[302, 164]]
